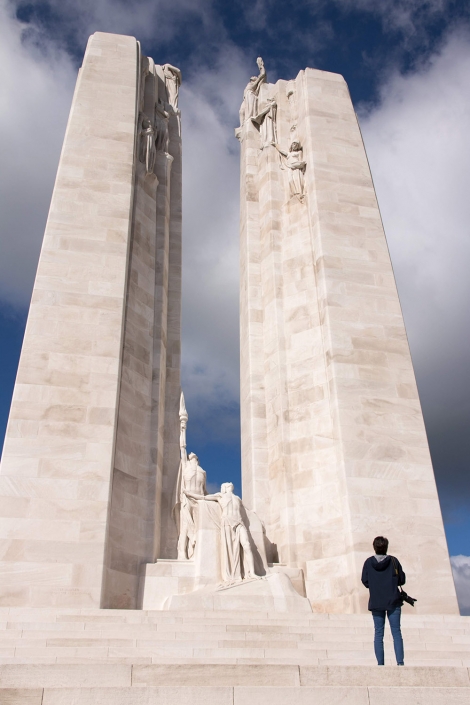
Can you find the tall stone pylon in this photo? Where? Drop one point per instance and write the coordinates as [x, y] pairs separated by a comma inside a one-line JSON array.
[[89, 462], [334, 448]]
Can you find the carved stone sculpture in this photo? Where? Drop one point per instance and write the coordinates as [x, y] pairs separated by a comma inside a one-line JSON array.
[[147, 145], [249, 107], [161, 127], [144, 72], [266, 120], [234, 535], [191, 478], [296, 165], [172, 83]]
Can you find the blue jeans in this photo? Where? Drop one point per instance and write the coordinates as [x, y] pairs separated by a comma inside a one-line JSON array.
[[379, 624]]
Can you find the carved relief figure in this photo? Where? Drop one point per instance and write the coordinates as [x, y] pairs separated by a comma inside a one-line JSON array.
[[249, 107], [294, 161], [266, 119], [234, 535], [191, 478], [147, 145], [161, 124], [145, 70], [173, 83]]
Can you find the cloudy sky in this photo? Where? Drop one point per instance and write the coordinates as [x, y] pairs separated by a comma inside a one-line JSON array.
[[407, 63]]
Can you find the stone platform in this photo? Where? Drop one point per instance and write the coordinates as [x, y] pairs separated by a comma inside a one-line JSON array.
[[91, 656]]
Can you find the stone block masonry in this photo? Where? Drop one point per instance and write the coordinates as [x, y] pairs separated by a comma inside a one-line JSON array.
[[84, 469], [334, 449]]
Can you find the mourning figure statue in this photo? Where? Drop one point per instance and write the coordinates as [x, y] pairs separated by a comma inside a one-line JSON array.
[[161, 124], [172, 82], [147, 145], [296, 165], [266, 120]]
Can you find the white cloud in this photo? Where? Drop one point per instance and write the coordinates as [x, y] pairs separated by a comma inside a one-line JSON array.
[[409, 16], [418, 145], [210, 104], [461, 571], [37, 86], [419, 149], [145, 19], [39, 78]]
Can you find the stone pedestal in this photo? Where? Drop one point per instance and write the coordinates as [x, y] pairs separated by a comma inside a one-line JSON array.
[[197, 585], [272, 593]]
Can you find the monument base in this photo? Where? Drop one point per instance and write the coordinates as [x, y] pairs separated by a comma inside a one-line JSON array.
[[175, 584], [273, 593]]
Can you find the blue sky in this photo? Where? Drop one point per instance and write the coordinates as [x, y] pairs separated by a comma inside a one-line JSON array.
[[407, 64]]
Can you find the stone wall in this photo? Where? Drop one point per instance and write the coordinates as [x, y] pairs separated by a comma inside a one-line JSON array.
[[334, 448], [84, 461]]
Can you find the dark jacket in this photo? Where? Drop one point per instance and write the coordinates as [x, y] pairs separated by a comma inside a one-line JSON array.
[[381, 579]]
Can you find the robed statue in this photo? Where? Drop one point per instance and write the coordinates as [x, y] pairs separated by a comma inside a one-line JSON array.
[[191, 478], [172, 77], [249, 107], [296, 165], [237, 560], [147, 145]]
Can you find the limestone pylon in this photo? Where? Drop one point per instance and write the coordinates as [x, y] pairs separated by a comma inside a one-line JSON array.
[[91, 451], [334, 448]]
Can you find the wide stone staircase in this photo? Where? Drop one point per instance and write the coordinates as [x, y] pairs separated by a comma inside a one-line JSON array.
[[124, 657]]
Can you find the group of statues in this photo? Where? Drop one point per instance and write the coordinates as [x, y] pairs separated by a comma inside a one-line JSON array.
[[154, 134], [236, 559], [264, 116], [236, 555]]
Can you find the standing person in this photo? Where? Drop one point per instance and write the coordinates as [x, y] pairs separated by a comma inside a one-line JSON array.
[[382, 575]]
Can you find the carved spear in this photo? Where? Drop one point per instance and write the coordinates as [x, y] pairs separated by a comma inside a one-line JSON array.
[[183, 422]]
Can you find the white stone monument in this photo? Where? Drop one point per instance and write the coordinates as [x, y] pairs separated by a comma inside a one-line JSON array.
[[101, 506], [334, 449], [94, 510], [91, 451]]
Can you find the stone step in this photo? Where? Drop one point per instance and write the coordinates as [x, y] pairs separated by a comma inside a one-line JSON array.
[[217, 655], [228, 640], [134, 675], [120, 636], [135, 617], [231, 685], [138, 616], [239, 695]]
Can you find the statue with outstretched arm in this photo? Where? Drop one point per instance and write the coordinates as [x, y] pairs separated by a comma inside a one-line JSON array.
[[296, 165], [191, 478], [249, 106], [234, 534]]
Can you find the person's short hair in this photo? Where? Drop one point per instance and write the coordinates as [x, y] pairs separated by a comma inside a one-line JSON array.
[[224, 487], [380, 545]]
